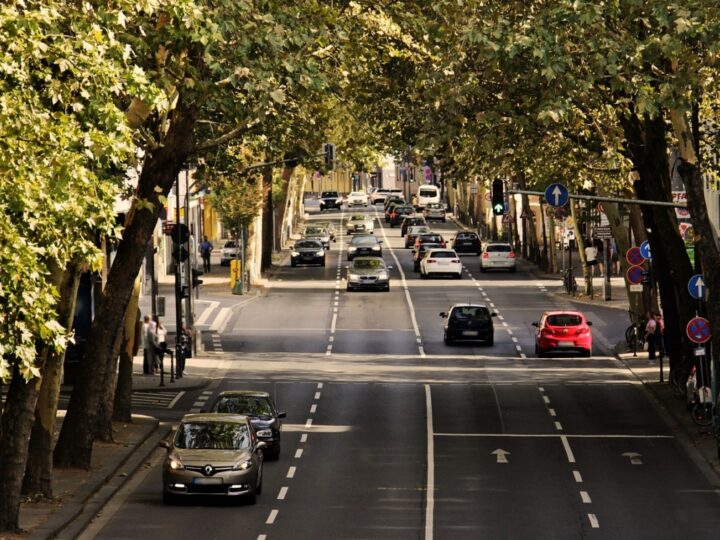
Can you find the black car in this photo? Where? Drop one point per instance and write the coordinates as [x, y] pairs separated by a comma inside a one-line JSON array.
[[420, 253], [307, 251], [399, 212], [411, 221], [469, 322], [364, 245], [390, 207], [260, 410], [330, 199], [467, 242]]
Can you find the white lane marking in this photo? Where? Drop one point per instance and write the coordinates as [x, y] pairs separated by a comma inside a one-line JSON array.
[[500, 317], [298, 453], [262, 537], [320, 385], [578, 477], [518, 348], [568, 450], [329, 351], [221, 320], [335, 310], [514, 339], [430, 482], [505, 324], [408, 299], [541, 388], [523, 355], [559, 435], [175, 399], [546, 399], [313, 408], [201, 399], [585, 496], [317, 395], [558, 426], [195, 409], [308, 422], [509, 331], [283, 492], [593, 521], [205, 315], [291, 472], [303, 438], [552, 412], [271, 518], [331, 339], [492, 305]]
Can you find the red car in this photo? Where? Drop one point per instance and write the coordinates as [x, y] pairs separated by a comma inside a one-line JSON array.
[[563, 331]]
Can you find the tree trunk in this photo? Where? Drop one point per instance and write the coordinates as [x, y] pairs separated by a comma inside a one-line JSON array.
[[122, 407], [39, 470], [16, 425], [580, 242], [268, 233], [647, 148], [103, 420], [160, 169], [281, 207]]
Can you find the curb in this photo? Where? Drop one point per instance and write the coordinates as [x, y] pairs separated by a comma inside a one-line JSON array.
[[72, 518]]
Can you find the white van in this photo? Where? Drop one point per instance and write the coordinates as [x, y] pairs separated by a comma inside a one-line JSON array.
[[427, 194]]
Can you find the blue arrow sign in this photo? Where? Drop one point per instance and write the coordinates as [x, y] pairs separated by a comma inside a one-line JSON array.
[[696, 287], [645, 250], [557, 195]]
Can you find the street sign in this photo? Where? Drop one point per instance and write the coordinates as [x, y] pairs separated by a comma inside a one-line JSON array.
[[473, 189], [645, 250], [697, 287], [634, 256], [557, 195], [635, 274], [507, 218], [698, 330], [604, 233], [527, 213], [636, 287]]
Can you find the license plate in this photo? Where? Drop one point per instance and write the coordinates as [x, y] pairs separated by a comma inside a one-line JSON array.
[[470, 333], [207, 481], [566, 344]]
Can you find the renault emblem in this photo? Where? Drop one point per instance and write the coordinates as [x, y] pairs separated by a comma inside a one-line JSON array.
[[207, 470]]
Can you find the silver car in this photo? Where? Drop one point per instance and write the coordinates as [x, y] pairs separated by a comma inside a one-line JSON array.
[[360, 223], [228, 252], [318, 233], [434, 211], [368, 273], [213, 455]]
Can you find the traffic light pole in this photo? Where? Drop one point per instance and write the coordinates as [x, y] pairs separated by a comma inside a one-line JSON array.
[[178, 282]]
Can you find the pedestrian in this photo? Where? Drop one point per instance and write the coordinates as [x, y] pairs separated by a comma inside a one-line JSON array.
[[205, 249], [659, 335], [615, 258], [651, 327], [590, 256], [185, 349], [600, 254], [143, 335], [160, 344], [149, 355]]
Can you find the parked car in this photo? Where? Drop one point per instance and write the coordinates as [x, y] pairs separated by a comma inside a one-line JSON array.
[[368, 273], [413, 232], [468, 322], [467, 242], [307, 251], [410, 221], [360, 223], [497, 255], [317, 233], [213, 455], [229, 252], [434, 211], [364, 245], [420, 252], [429, 238], [329, 200], [357, 198], [440, 262], [327, 225], [398, 212], [260, 408], [563, 331]]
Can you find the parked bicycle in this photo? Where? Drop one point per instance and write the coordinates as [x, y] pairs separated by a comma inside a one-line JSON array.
[[635, 333], [569, 281]]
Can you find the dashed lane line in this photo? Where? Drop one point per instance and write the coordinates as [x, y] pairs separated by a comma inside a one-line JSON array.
[[291, 472]]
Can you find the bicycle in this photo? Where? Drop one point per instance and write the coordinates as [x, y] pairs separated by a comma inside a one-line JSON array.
[[678, 382], [569, 281], [635, 335]]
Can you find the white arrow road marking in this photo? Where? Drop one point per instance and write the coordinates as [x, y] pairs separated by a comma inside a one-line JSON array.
[[634, 458], [501, 455]]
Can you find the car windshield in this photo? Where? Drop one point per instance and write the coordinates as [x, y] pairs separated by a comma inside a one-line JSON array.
[[404, 209], [368, 264], [418, 230], [212, 436], [443, 254], [433, 238], [363, 241], [434, 206], [329, 194], [470, 313], [230, 244], [565, 319], [498, 248], [316, 231], [247, 405], [427, 193], [307, 244], [356, 194], [358, 217], [466, 236]]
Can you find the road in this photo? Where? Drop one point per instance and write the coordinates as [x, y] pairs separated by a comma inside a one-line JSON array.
[[392, 434]]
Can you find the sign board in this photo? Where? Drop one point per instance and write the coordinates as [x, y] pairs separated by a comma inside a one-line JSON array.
[[696, 287], [635, 274], [507, 218], [527, 213], [557, 195], [680, 197], [698, 330], [428, 175], [474, 189], [645, 250], [604, 233], [636, 287], [634, 256]]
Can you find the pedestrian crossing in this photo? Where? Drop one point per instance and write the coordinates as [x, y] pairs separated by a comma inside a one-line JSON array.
[[149, 400]]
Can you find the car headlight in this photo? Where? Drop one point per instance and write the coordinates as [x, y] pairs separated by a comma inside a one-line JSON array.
[[376, 248], [175, 464], [244, 466], [264, 433], [383, 275], [321, 253], [352, 249], [295, 253], [354, 277]]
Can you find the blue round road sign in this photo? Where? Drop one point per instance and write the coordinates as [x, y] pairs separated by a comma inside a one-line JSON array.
[[557, 195], [645, 250], [698, 330], [635, 274], [697, 287], [634, 256]]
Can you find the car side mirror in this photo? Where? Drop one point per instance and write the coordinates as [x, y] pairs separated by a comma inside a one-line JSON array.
[[390, 267], [535, 323], [493, 314], [261, 445], [164, 444], [589, 323], [380, 241], [334, 239], [282, 415], [443, 314]]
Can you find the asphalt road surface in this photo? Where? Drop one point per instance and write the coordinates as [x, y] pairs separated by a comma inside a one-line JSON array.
[[392, 434]]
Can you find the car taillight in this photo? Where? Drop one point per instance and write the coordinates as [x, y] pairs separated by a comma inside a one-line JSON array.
[[584, 330], [511, 255], [486, 255], [455, 261], [431, 261], [442, 244]]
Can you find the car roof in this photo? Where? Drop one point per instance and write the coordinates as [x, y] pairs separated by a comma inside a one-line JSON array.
[[468, 305], [443, 250], [216, 417], [498, 244], [563, 312], [366, 258], [252, 393]]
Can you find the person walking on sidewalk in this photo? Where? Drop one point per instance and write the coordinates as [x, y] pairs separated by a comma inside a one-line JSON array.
[[659, 335], [205, 249], [148, 343], [161, 344], [651, 327], [590, 256]]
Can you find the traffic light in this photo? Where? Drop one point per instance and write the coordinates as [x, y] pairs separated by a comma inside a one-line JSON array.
[[329, 154], [498, 198], [179, 253], [411, 174], [196, 281]]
